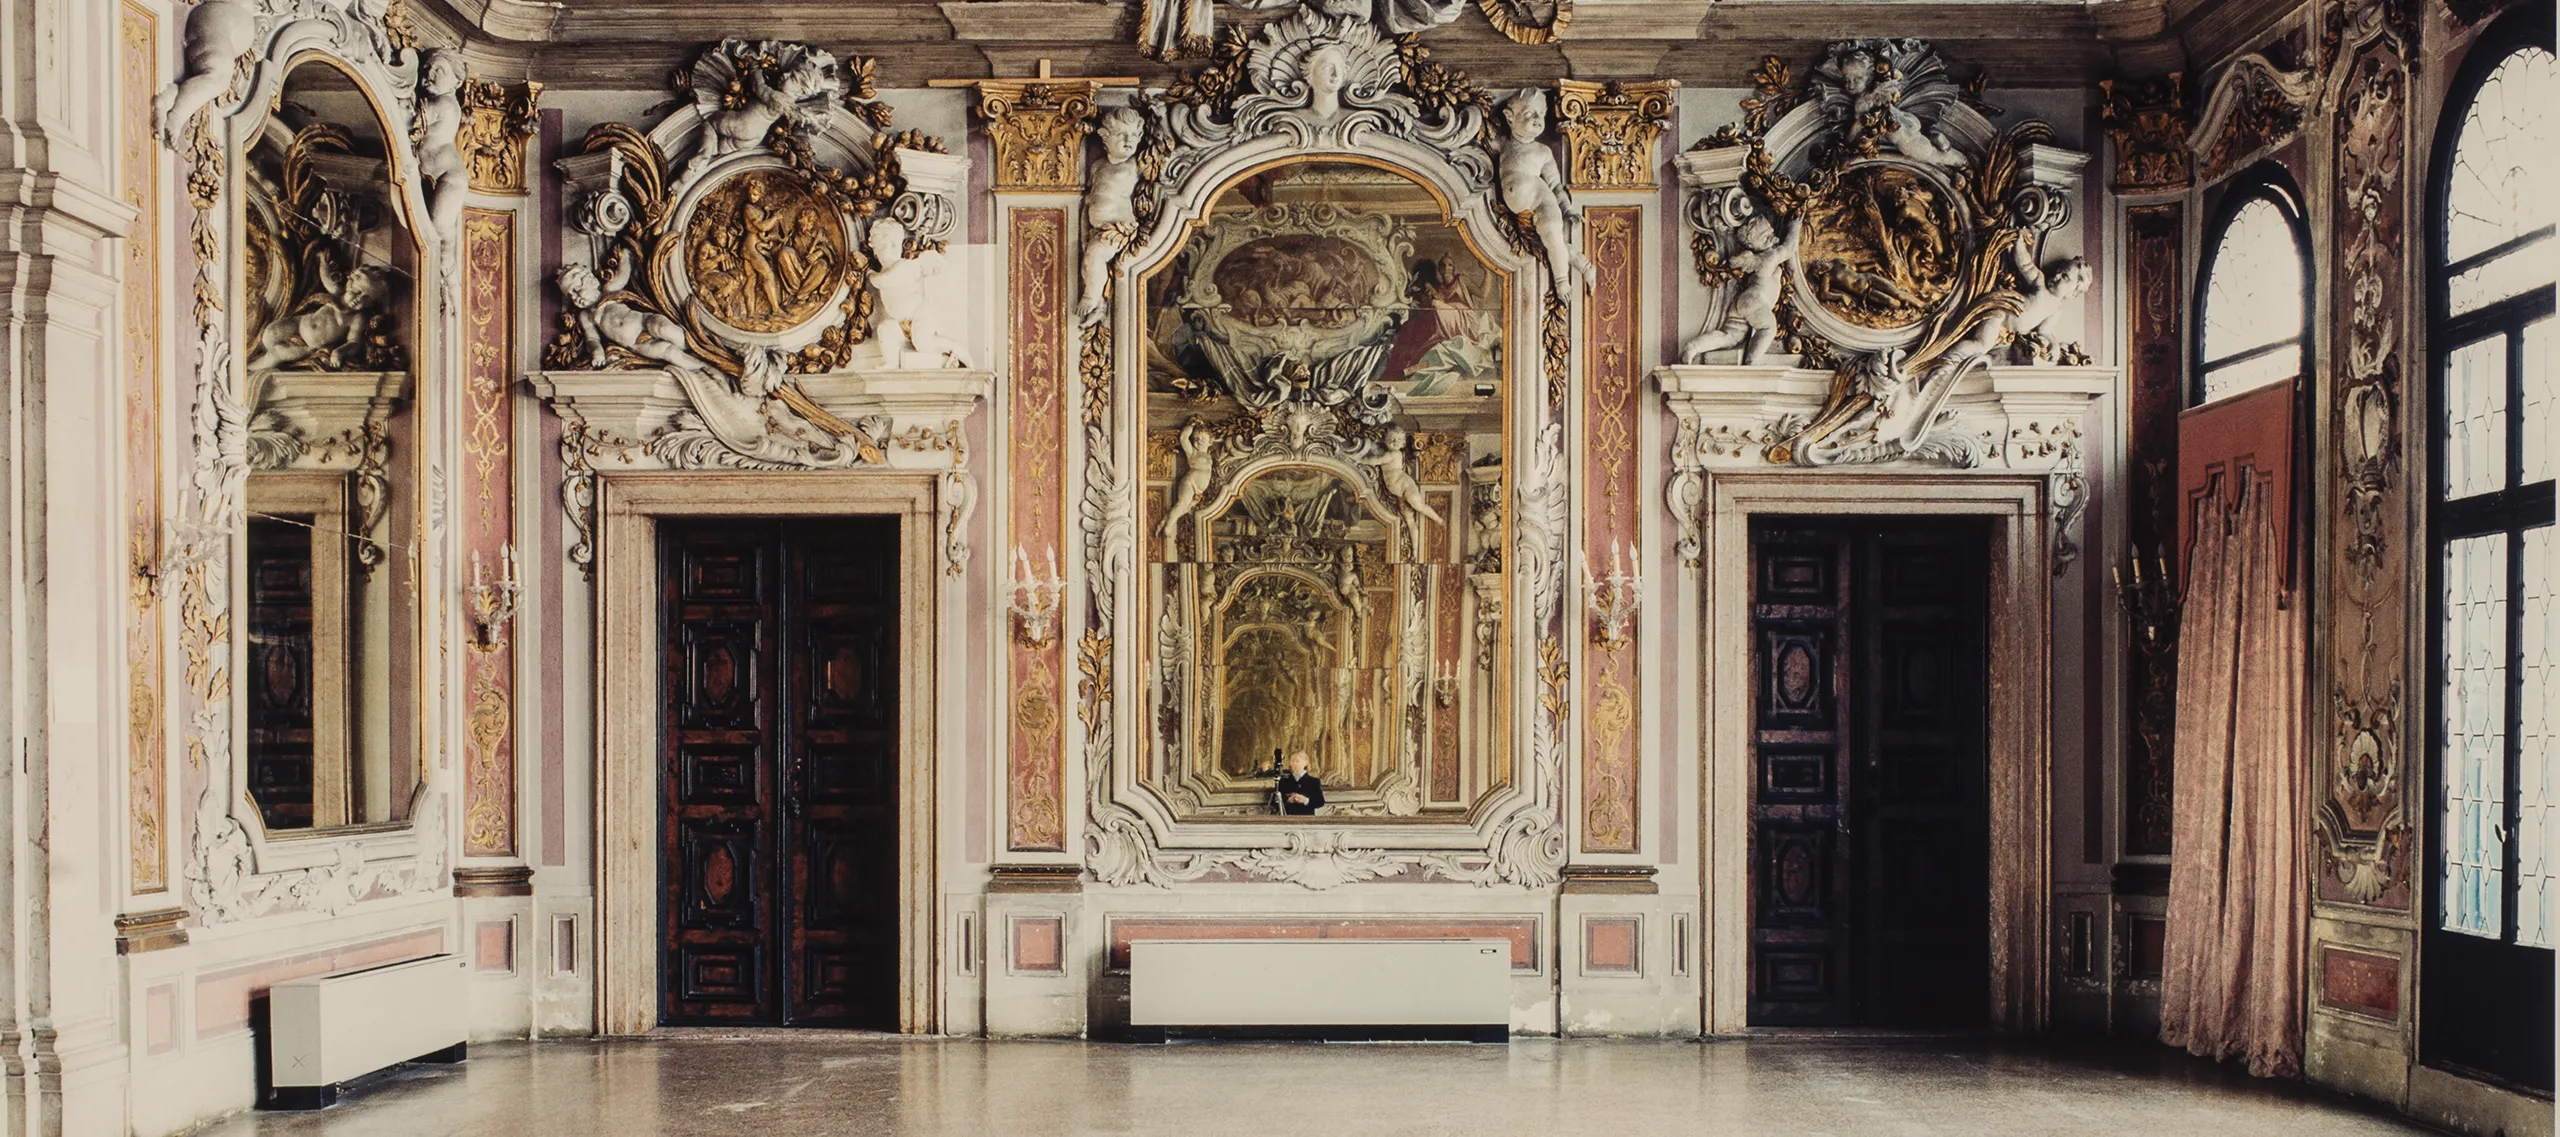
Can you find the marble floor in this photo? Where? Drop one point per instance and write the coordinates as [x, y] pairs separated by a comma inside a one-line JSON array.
[[769, 1084]]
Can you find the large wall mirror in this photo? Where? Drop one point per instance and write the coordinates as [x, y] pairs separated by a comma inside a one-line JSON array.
[[329, 594], [1325, 511]]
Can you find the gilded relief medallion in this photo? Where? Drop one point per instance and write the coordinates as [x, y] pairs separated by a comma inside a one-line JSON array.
[[1881, 248], [764, 254]]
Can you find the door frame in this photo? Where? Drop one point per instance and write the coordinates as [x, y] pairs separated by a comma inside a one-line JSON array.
[[629, 507], [2021, 714]]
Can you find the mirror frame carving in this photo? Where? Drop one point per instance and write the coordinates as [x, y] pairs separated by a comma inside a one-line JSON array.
[[1397, 111], [237, 58]]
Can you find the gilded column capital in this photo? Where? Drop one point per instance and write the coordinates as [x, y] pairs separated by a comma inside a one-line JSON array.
[[497, 120], [1038, 128], [1610, 130], [2147, 122]]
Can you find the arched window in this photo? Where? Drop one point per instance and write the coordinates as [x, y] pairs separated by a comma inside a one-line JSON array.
[[2494, 691], [2257, 280]]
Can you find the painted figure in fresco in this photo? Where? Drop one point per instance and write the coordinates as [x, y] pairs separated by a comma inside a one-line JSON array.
[[1533, 187], [903, 322], [1110, 213], [439, 132], [1300, 791], [1752, 320], [1449, 341]]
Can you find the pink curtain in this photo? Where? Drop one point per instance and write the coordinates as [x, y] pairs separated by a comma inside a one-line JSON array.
[[2232, 986]]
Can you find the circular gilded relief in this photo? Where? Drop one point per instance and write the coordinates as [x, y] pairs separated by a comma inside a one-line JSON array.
[[1297, 278], [1881, 249], [763, 254]]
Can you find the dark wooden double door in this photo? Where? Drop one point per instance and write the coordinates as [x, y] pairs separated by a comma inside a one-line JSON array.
[[779, 770], [1870, 854]]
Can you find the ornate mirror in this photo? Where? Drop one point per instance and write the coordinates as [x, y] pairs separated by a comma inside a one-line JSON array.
[[329, 591], [1324, 501]]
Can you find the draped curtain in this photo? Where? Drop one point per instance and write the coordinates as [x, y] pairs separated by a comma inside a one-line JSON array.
[[2232, 984]]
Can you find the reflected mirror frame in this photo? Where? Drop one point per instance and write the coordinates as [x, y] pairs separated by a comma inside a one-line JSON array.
[[405, 473], [1494, 765]]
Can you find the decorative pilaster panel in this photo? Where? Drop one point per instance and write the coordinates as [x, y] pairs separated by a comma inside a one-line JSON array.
[[1611, 550], [1037, 130], [138, 166], [2153, 236], [488, 527], [1610, 130], [2362, 818], [1035, 771]]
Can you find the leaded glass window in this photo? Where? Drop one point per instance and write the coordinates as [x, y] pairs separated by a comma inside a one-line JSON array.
[[2497, 814], [2254, 293]]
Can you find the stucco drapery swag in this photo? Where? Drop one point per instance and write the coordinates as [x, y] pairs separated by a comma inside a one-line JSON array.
[[2233, 982]]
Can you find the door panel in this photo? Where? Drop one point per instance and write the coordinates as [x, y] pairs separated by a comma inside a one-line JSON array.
[[780, 882], [842, 831], [1799, 927], [717, 873], [1923, 810], [1869, 815]]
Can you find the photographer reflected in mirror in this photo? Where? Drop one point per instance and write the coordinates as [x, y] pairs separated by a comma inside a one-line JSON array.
[[1298, 790]]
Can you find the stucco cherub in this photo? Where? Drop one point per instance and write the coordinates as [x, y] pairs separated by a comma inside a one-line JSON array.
[[331, 328], [1110, 208], [218, 33], [2041, 296], [438, 136], [1751, 322], [602, 321], [1396, 478], [904, 321], [740, 119], [1199, 464], [1533, 187]]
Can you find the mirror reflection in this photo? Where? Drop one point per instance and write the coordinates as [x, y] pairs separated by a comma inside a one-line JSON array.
[[330, 592], [1324, 504]]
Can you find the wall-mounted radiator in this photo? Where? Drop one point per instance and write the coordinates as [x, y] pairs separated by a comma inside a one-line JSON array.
[[1324, 988], [328, 1030]]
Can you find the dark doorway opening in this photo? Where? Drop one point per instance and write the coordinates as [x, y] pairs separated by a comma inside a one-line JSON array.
[[778, 742], [1870, 834]]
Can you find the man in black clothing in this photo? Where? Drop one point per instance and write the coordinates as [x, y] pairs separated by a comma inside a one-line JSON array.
[[1300, 791]]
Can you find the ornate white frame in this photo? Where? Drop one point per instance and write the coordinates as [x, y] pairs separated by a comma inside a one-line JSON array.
[[235, 869], [1517, 835]]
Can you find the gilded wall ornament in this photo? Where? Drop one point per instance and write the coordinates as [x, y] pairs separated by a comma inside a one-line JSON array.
[[1916, 229], [498, 120], [1881, 245], [2147, 122], [1037, 129], [764, 253], [1529, 23], [1610, 130], [756, 265]]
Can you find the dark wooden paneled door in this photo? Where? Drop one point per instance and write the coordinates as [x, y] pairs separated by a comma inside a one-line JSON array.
[[778, 866], [1870, 855]]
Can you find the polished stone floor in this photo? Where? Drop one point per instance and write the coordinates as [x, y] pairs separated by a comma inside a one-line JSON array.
[[773, 1083]]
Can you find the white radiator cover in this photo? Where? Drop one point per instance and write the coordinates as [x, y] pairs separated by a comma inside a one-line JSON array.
[[333, 1028], [1310, 983]]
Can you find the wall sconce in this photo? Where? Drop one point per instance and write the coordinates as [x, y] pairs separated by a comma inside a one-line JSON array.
[[1033, 600], [2150, 599], [1614, 599], [494, 605], [1444, 686]]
